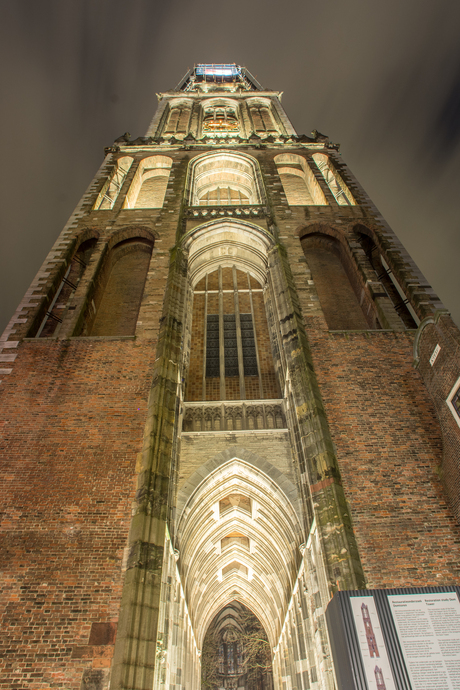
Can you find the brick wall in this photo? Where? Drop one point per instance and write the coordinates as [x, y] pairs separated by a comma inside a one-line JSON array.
[[73, 415], [389, 446], [337, 298], [122, 290]]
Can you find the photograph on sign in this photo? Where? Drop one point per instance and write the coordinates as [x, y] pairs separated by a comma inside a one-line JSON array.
[[428, 627], [371, 643]]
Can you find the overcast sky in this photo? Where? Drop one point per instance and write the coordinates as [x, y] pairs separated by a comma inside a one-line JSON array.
[[381, 77]]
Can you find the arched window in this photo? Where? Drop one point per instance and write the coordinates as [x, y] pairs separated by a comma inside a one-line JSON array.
[[149, 185], [385, 275], [261, 116], [121, 285], [335, 183], [337, 283], [109, 192], [298, 181], [231, 358], [51, 322], [220, 117], [224, 179], [178, 118]]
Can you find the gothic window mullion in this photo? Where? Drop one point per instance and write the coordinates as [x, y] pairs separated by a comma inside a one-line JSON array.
[[221, 337], [183, 120], [172, 121], [267, 119], [261, 386], [238, 336], [205, 335]]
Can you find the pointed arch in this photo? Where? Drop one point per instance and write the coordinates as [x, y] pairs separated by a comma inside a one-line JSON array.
[[232, 354], [111, 189], [224, 178], [149, 184], [299, 183], [120, 284], [227, 243], [394, 291], [337, 281], [262, 577]]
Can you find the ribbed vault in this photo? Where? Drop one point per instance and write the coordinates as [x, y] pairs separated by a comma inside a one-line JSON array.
[[238, 538]]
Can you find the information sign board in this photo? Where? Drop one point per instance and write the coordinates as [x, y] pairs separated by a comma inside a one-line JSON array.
[[396, 639]]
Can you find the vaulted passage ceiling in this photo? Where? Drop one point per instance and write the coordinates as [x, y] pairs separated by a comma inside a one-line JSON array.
[[238, 539]]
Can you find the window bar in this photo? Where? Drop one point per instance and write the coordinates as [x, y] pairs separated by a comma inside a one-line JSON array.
[[261, 386], [205, 335], [239, 343], [221, 337]]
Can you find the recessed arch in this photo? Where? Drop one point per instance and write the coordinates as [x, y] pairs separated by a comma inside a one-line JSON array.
[[335, 274], [111, 189], [149, 184], [220, 117], [130, 232], [120, 285], [224, 178], [228, 243], [77, 260], [380, 264], [260, 578], [178, 117], [299, 183], [261, 113]]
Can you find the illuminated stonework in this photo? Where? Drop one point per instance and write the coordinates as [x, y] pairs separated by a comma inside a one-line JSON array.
[[208, 399]]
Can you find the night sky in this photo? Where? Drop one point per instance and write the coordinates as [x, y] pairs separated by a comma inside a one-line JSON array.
[[382, 78]]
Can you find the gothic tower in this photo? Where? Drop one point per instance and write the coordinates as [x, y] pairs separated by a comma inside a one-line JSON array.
[[227, 394]]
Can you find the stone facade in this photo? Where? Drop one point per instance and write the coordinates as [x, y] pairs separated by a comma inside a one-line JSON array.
[[327, 437]]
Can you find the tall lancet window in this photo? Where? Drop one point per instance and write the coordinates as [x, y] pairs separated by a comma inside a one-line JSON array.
[[261, 116], [178, 118], [231, 355]]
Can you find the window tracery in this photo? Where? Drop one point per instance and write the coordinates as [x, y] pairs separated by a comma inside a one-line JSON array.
[[220, 120]]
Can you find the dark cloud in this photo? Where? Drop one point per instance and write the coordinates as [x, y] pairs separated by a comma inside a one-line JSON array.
[[380, 78]]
